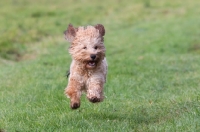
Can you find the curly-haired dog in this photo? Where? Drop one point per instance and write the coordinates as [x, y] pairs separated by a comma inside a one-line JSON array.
[[88, 68]]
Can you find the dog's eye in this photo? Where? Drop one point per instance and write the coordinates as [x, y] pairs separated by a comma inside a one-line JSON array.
[[85, 47], [95, 47]]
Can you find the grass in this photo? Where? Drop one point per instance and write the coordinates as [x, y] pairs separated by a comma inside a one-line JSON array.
[[153, 51]]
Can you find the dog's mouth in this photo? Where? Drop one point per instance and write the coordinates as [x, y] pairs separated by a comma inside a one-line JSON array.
[[91, 64]]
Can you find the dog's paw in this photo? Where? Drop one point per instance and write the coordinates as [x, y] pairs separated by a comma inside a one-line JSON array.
[[75, 105], [94, 99]]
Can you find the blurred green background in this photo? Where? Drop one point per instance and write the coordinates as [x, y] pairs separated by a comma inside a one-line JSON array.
[[23, 23]]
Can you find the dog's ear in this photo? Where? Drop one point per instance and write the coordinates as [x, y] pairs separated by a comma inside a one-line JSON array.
[[101, 29], [70, 33]]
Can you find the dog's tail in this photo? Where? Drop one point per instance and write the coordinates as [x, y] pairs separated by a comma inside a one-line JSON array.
[[67, 73]]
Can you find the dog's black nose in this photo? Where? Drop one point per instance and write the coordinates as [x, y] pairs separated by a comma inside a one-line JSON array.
[[93, 56]]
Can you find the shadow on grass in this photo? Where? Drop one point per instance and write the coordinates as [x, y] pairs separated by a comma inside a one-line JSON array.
[[144, 115]]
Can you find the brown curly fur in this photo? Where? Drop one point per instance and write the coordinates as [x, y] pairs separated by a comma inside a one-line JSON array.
[[89, 67]]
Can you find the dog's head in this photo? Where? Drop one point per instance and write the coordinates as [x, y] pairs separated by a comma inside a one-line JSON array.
[[86, 44]]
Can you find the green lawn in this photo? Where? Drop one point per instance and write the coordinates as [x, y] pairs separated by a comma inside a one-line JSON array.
[[153, 53]]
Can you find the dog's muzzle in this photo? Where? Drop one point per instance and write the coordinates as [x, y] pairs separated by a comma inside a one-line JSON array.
[[91, 64]]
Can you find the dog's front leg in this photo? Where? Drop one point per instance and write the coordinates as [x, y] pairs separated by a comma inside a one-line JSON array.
[[73, 91], [95, 90]]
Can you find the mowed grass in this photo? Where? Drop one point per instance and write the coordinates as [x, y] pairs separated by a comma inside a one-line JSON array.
[[153, 52]]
